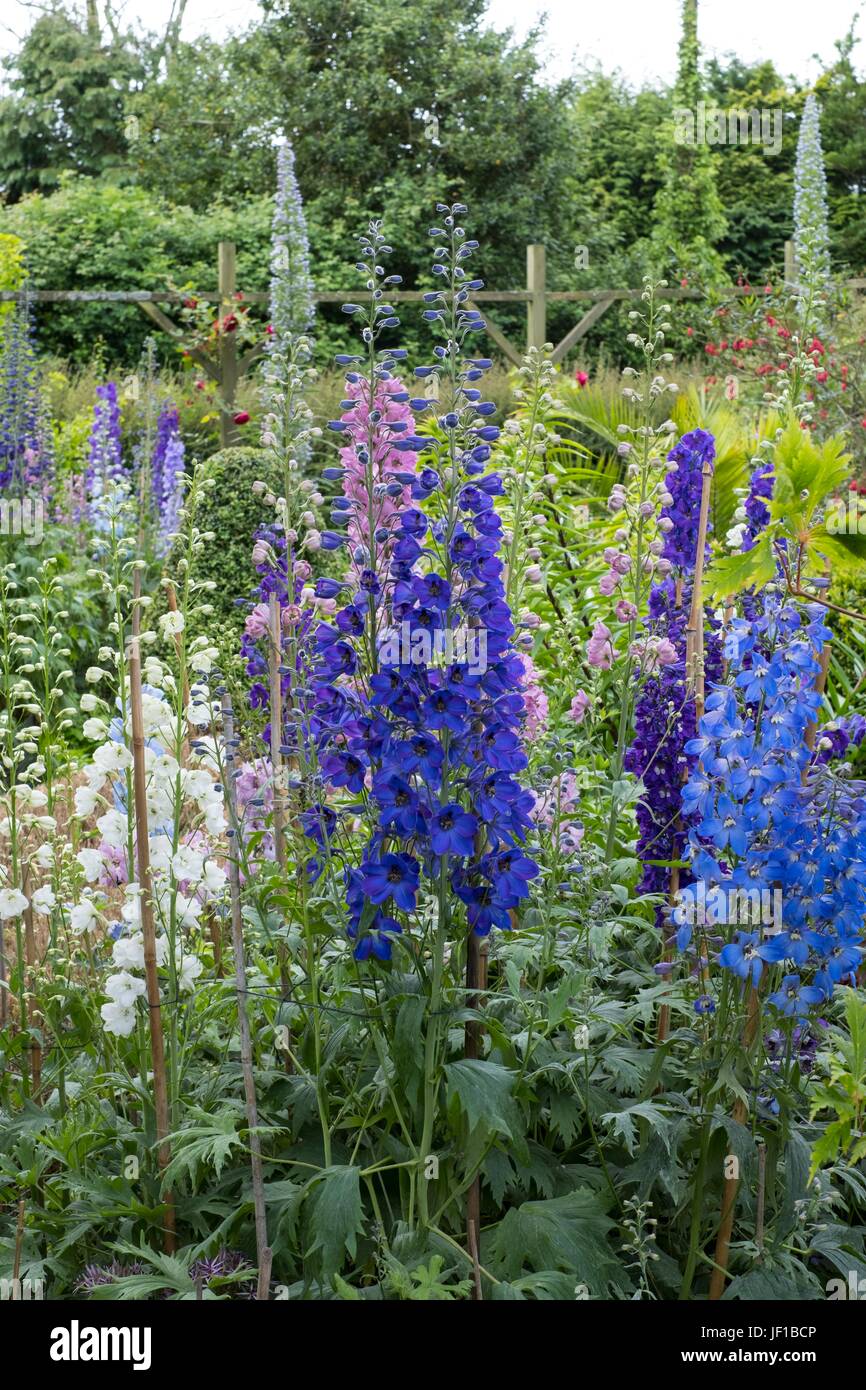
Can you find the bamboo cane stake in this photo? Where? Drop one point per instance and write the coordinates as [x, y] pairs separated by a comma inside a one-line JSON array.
[[263, 1250], [160, 1085]]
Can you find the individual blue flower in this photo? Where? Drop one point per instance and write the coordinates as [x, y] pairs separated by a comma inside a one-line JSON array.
[[794, 998]]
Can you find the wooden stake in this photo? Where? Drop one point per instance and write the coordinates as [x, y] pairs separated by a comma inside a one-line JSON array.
[[695, 629], [148, 931], [263, 1251]]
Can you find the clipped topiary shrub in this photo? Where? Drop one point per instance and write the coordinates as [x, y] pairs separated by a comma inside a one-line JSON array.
[[232, 511]]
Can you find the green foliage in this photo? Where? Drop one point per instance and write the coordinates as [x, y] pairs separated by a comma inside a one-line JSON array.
[[807, 473], [232, 512], [64, 108], [688, 215], [843, 1094], [94, 235]]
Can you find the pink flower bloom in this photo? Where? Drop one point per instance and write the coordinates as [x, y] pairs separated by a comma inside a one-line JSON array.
[[667, 652], [257, 621], [625, 610], [534, 698], [579, 705], [599, 649], [609, 583], [386, 459], [301, 570]]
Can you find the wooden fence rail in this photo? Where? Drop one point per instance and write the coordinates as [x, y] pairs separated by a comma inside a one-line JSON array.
[[232, 365]]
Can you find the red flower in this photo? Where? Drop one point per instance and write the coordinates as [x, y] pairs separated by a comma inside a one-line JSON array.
[[581, 378], [241, 417], [190, 303]]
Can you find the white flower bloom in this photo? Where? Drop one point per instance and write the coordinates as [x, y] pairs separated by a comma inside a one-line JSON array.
[[113, 827], [91, 862], [734, 538], [113, 757], [156, 716], [44, 857], [117, 1020], [188, 970], [171, 624], [201, 663], [198, 712], [93, 674], [128, 952], [131, 910], [215, 818], [187, 910], [89, 703], [187, 865], [94, 728], [37, 798], [83, 916], [12, 903], [160, 854], [86, 801], [214, 878], [124, 989], [197, 784], [44, 899], [96, 776]]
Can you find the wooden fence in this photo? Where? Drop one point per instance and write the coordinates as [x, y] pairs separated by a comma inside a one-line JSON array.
[[232, 364]]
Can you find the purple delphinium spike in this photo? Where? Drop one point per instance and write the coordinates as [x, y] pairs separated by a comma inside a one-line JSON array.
[[105, 460], [25, 447], [166, 474]]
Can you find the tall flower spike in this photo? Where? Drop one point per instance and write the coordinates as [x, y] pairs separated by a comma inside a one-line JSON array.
[[419, 685], [25, 449], [291, 305], [811, 235]]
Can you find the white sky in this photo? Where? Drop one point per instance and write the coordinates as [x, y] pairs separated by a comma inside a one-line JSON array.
[[638, 36]]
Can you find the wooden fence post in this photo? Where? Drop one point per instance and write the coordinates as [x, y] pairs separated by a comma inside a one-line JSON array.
[[228, 346], [536, 305]]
